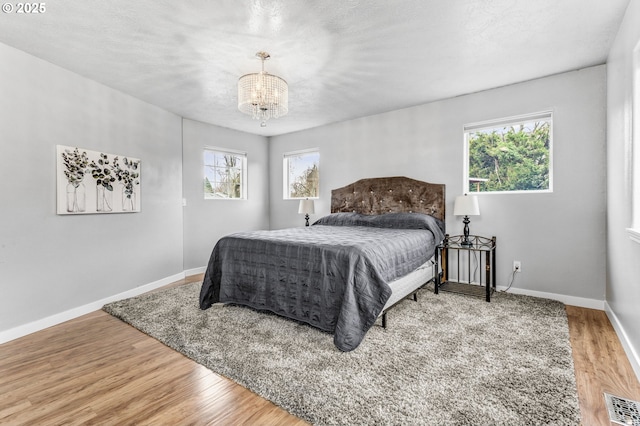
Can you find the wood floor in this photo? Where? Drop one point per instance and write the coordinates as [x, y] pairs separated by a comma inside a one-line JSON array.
[[97, 370]]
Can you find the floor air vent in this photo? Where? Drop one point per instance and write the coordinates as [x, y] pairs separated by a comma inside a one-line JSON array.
[[623, 411]]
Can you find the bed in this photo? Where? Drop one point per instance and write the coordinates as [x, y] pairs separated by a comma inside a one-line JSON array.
[[346, 270]]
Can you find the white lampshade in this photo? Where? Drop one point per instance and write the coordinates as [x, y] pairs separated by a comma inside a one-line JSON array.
[[466, 205], [306, 207]]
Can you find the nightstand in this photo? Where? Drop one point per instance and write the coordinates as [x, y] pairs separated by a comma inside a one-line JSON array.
[[467, 260]]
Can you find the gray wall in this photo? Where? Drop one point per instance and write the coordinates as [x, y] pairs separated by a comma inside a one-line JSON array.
[[50, 263], [559, 237], [623, 273], [205, 221]]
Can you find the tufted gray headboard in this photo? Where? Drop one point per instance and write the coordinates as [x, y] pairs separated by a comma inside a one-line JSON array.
[[390, 195]]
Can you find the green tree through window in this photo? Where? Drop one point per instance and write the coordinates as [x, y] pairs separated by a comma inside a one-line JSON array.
[[510, 156]]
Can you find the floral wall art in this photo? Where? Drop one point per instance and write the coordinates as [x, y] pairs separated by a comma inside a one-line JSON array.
[[95, 182]]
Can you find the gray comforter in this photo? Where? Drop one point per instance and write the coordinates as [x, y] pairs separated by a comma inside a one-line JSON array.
[[332, 275]]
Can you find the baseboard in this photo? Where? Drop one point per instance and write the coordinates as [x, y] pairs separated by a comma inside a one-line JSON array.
[[41, 324], [195, 271], [582, 302], [32, 327], [634, 358]]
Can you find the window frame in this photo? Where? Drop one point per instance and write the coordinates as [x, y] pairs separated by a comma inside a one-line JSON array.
[[285, 172], [502, 122], [633, 135], [243, 173]]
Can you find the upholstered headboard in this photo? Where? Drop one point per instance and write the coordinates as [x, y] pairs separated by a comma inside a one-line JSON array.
[[390, 195]]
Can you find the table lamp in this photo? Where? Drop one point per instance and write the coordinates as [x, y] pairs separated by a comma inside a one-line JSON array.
[[466, 205], [306, 208]]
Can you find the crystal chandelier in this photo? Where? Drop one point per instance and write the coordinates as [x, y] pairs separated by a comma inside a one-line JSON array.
[[262, 95]]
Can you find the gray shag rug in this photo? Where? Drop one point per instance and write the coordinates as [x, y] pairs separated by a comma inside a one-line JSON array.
[[447, 359]]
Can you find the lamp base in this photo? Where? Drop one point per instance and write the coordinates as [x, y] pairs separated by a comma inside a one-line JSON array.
[[465, 242]]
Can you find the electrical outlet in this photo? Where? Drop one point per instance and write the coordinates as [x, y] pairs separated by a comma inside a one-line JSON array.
[[517, 266]]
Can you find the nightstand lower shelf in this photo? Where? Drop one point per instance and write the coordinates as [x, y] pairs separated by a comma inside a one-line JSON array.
[[463, 288]]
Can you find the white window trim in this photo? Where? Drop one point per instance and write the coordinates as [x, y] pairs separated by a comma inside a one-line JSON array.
[[245, 171], [481, 125], [634, 234], [634, 141], [285, 173]]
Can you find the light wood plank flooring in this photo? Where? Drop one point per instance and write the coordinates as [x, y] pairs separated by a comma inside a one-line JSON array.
[[98, 370], [600, 362]]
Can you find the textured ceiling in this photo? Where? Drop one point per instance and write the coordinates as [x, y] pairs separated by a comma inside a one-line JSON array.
[[342, 58]]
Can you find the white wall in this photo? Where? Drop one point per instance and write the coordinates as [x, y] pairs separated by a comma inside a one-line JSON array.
[[205, 221], [559, 237], [49, 263], [623, 255]]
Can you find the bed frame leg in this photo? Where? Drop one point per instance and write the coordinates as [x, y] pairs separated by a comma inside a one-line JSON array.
[[415, 297], [384, 320]]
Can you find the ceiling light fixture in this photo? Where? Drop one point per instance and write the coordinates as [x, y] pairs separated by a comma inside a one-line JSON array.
[[263, 95]]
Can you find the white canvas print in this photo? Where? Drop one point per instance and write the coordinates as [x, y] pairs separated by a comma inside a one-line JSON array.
[[95, 182]]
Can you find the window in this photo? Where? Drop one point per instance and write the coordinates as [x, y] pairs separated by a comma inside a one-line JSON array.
[[225, 174], [511, 154], [301, 174], [633, 134]]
